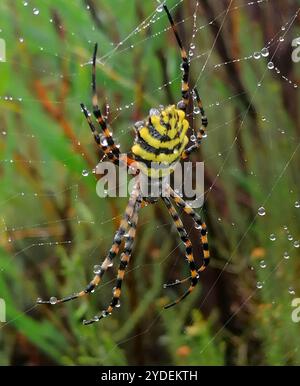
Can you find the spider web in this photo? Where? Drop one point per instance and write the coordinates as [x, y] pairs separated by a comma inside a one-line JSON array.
[[205, 66]]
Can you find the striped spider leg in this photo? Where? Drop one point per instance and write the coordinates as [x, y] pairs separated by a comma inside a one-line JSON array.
[[125, 257], [199, 225], [107, 263], [185, 66], [188, 250]]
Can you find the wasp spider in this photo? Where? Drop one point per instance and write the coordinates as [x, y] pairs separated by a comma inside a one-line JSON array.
[[161, 138]]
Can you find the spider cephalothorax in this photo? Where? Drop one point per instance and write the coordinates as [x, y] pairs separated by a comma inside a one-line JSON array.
[[161, 141]]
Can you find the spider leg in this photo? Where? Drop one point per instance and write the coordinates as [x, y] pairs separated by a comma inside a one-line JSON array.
[[125, 257], [96, 110], [201, 131], [103, 146], [185, 89], [107, 263], [199, 224], [188, 247]]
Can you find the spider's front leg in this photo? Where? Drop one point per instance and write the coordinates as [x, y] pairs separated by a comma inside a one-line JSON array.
[[97, 112], [102, 144], [185, 88], [119, 236], [125, 257], [105, 142], [200, 132]]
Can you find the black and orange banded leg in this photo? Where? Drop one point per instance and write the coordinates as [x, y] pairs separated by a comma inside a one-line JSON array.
[[97, 113], [107, 263], [103, 145], [200, 132], [188, 249], [125, 257], [199, 225], [185, 89]]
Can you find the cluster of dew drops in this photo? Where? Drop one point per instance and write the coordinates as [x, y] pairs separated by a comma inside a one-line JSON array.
[[296, 244], [264, 53]]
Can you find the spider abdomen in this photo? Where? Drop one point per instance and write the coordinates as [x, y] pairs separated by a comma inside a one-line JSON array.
[[162, 138]]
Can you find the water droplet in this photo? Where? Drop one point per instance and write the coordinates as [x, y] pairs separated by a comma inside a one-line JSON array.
[[191, 53], [104, 314], [97, 269], [261, 211], [259, 285], [192, 46], [290, 237], [118, 304], [155, 112], [264, 52], [110, 264], [263, 264], [193, 138], [21, 40], [159, 8], [257, 55], [291, 291], [196, 110], [296, 244], [263, 119], [198, 226], [25, 3], [286, 255], [36, 11], [104, 142], [281, 39], [271, 65], [53, 300], [272, 237], [297, 204], [138, 125], [85, 173]]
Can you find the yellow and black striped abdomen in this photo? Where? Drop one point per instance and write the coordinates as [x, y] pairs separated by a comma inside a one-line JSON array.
[[162, 138]]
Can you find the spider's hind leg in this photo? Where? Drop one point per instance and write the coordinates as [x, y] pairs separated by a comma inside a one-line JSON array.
[[125, 257], [119, 236], [189, 252], [199, 225]]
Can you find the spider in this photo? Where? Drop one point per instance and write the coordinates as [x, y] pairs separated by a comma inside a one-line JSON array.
[[161, 138]]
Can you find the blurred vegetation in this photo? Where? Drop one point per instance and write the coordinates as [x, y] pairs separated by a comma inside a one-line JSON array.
[[54, 227]]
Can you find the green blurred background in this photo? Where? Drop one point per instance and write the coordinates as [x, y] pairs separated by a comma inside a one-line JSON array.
[[54, 228]]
